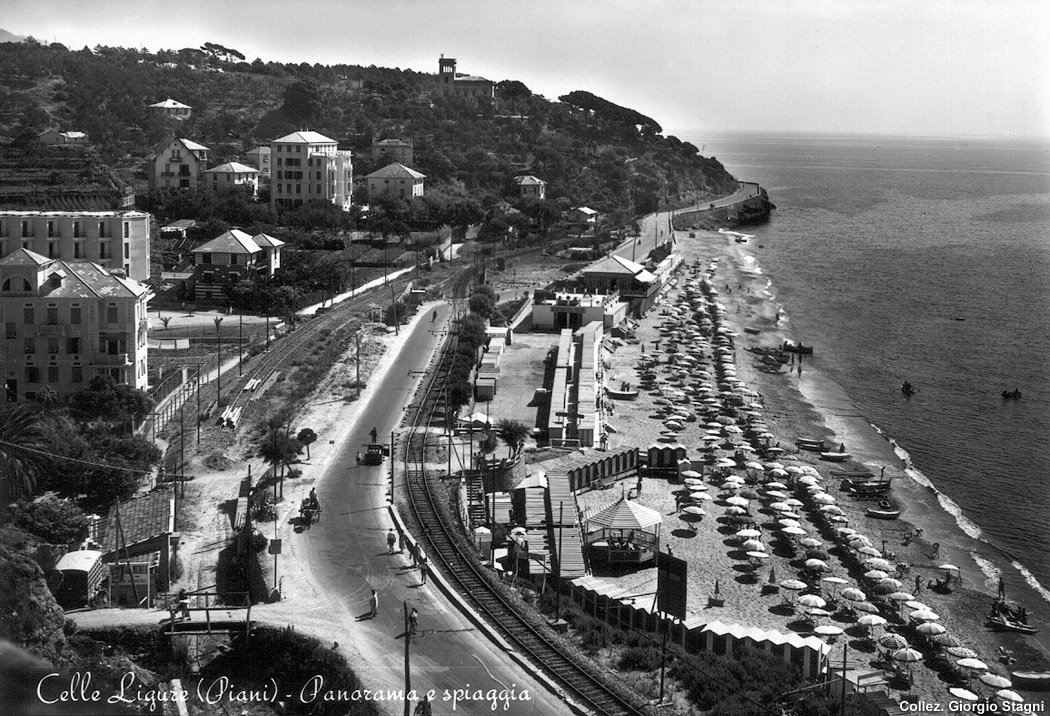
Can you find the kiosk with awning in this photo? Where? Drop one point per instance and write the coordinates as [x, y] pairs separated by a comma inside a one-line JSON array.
[[625, 532]]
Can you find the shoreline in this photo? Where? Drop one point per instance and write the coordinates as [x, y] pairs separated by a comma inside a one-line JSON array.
[[817, 400]]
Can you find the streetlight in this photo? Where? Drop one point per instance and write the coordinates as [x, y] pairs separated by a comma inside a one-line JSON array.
[[218, 362]]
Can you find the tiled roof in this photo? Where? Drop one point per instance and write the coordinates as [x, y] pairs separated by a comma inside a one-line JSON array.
[[233, 241], [529, 181], [180, 225], [141, 519], [24, 257], [585, 210], [88, 280], [232, 168], [305, 137], [190, 144], [615, 264], [392, 143], [395, 171], [264, 240]]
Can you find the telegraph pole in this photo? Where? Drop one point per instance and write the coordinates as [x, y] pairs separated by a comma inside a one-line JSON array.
[[408, 672]]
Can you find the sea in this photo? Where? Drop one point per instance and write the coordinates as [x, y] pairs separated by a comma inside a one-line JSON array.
[[925, 260]]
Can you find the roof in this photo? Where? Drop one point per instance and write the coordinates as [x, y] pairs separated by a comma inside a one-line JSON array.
[[395, 171], [233, 241], [615, 264], [305, 137], [392, 143], [169, 103], [232, 168], [528, 180], [265, 241], [180, 225], [739, 631], [626, 515], [141, 519], [471, 78], [259, 150], [24, 257], [585, 210], [88, 280], [74, 135], [190, 144]]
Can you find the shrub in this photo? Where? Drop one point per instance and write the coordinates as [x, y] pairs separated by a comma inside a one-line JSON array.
[[640, 658]]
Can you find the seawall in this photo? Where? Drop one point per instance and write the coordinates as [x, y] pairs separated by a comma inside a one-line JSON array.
[[750, 204]]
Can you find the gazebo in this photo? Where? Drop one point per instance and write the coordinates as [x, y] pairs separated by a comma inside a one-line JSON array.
[[626, 531]]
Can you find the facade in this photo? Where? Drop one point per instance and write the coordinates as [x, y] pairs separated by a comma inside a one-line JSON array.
[[260, 159], [232, 175], [530, 187], [176, 164], [397, 180], [113, 239], [573, 310], [54, 137], [67, 322], [171, 108], [308, 165], [583, 216], [393, 150], [453, 84], [231, 257], [576, 417]]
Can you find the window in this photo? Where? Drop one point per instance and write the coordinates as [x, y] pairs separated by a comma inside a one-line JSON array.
[[206, 258], [25, 229], [74, 315], [29, 345], [101, 229], [78, 249], [111, 313], [28, 315], [103, 250], [52, 249], [52, 346], [78, 374], [127, 229], [52, 315], [11, 329], [73, 346], [50, 229], [76, 229], [52, 374], [127, 248], [32, 374]]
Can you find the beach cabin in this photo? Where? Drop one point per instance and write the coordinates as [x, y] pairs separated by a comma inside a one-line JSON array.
[[625, 532]]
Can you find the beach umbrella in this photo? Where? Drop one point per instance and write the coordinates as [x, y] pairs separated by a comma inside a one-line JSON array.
[[883, 590], [697, 491], [964, 694], [773, 466], [753, 545], [810, 542], [870, 551], [780, 495], [824, 499], [780, 506], [923, 615], [893, 641], [828, 630], [757, 555], [835, 580], [907, 655], [871, 620], [817, 565], [691, 474], [1008, 695], [846, 531], [776, 485], [876, 574], [946, 640], [866, 607], [701, 496], [972, 664], [878, 563], [949, 567], [788, 522], [793, 531], [833, 510], [793, 501], [817, 553], [790, 516], [916, 605], [812, 600], [900, 596], [807, 480], [793, 584], [996, 681], [818, 612], [739, 518], [726, 462], [858, 541], [854, 595], [748, 494], [753, 465], [961, 652], [890, 581], [778, 472], [693, 510], [931, 629], [736, 511], [748, 533]]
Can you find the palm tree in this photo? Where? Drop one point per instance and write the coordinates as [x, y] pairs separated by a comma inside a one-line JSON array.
[[513, 433], [21, 436]]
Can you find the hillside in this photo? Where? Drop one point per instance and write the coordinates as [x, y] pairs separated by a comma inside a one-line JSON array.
[[587, 149]]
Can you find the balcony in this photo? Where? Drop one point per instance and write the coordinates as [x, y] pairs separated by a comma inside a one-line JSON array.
[[107, 359], [51, 329]]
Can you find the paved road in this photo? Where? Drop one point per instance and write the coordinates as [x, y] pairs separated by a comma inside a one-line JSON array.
[[346, 555]]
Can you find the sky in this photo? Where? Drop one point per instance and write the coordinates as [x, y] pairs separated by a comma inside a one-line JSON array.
[[960, 68]]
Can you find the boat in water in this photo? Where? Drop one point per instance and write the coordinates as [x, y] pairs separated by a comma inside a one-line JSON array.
[[835, 456], [884, 511], [811, 445], [1031, 680], [796, 347]]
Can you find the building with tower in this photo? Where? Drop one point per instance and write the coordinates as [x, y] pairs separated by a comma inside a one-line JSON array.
[[453, 84]]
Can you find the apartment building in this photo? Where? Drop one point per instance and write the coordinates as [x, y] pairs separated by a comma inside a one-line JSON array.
[[65, 322], [308, 165], [396, 180], [112, 239]]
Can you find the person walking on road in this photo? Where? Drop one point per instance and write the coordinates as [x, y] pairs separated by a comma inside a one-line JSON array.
[[1002, 588], [373, 604], [423, 569], [401, 543], [423, 708], [391, 540], [413, 621]]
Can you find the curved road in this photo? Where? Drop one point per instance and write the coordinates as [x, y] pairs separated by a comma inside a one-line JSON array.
[[345, 556]]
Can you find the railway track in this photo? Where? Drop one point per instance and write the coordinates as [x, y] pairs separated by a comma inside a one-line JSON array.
[[466, 574]]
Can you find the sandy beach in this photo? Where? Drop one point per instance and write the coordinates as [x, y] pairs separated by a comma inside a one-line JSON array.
[[799, 401]]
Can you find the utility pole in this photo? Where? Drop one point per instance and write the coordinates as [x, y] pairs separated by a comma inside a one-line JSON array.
[[218, 362], [198, 403], [391, 466], [240, 344], [357, 337], [561, 530], [408, 672]]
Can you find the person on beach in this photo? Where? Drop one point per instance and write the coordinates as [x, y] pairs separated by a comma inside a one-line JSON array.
[[424, 569], [1002, 589], [373, 604], [391, 540], [413, 621], [918, 583]]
